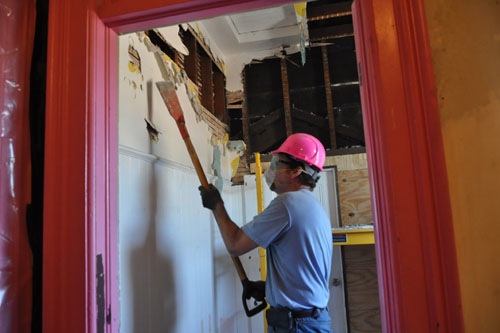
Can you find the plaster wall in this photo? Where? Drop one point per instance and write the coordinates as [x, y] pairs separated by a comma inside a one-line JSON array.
[[174, 271], [465, 43]]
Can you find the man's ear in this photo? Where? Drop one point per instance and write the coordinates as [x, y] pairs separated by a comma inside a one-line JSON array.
[[297, 171]]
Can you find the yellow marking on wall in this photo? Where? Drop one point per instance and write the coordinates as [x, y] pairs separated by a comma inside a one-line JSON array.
[[132, 67], [234, 165], [300, 8]]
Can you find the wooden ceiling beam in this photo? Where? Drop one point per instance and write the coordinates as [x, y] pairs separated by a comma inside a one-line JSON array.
[[332, 32], [323, 12]]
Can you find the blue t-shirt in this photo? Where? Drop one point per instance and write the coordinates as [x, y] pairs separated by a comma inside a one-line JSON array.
[[296, 232]]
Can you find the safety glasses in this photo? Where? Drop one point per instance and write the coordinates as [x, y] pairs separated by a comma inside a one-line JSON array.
[[275, 161]]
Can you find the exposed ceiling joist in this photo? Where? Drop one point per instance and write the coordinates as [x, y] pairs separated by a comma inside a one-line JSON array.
[[323, 12], [332, 32]]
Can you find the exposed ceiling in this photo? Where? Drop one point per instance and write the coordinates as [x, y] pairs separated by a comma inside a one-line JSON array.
[[270, 31], [265, 30]]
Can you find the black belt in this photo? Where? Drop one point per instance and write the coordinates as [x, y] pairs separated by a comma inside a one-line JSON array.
[[304, 314], [285, 318]]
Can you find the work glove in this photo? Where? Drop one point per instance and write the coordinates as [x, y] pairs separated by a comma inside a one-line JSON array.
[[255, 290], [210, 197]]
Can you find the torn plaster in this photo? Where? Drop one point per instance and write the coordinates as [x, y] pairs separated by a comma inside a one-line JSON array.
[[135, 78], [136, 105], [152, 131], [135, 59], [168, 69], [216, 162], [147, 42], [301, 12], [234, 166], [194, 98], [224, 141], [133, 67], [237, 146], [171, 36], [171, 71]]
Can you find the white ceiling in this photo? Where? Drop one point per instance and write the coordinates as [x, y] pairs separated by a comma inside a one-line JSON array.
[[261, 31]]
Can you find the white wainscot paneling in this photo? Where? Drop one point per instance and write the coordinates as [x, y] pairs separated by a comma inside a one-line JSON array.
[[166, 265], [228, 288], [184, 234], [175, 272], [135, 246]]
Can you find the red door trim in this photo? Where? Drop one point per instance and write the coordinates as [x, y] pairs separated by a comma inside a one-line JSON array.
[[80, 209], [418, 275]]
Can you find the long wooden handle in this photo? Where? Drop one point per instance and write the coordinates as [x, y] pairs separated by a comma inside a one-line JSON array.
[[204, 182], [169, 95], [196, 163], [239, 268]]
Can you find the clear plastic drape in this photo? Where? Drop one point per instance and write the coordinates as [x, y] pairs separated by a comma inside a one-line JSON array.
[[17, 27]]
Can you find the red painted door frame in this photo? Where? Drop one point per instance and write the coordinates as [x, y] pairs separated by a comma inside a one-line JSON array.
[[415, 245], [80, 286]]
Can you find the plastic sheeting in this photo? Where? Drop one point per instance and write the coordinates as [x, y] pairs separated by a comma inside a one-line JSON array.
[[17, 26]]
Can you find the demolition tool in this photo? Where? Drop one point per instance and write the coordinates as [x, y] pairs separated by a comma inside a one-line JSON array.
[[169, 95]]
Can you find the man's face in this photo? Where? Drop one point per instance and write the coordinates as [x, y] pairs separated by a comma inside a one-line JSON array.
[[281, 173]]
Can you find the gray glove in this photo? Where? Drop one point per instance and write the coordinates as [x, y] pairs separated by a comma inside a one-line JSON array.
[[210, 197]]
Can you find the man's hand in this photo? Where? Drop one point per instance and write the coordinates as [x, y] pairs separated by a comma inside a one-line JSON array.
[[210, 197], [255, 290]]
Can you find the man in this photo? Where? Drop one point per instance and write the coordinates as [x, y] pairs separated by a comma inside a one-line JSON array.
[[295, 231]]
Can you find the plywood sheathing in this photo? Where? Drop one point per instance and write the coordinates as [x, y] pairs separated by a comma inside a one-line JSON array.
[[354, 195], [360, 271], [353, 188]]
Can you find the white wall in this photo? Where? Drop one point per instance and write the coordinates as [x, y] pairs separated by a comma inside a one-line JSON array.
[[175, 274]]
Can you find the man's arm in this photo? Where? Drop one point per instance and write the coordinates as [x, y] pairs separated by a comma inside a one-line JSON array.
[[236, 241]]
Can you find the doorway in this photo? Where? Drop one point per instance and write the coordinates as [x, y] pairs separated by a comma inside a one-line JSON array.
[[148, 56], [84, 142]]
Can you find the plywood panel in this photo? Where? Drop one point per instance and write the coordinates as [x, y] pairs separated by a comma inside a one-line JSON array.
[[362, 289], [363, 321], [347, 162], [354, 195]]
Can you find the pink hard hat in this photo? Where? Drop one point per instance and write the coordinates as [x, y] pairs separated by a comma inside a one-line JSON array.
[[304, 147]]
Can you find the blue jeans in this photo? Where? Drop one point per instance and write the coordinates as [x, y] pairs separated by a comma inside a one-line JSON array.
[[321, 324]]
